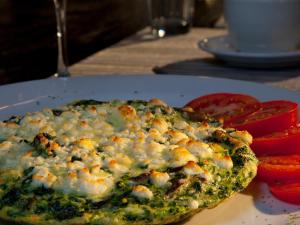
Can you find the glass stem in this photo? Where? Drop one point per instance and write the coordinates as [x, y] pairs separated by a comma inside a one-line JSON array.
[[149, 9], [62, 62]]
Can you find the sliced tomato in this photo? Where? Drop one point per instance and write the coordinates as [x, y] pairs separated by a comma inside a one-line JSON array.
[[286, 142], [287, 192], [273, 116], [279, 169], [228, 106]]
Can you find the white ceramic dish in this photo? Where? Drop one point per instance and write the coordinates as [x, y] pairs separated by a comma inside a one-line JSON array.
[[252, 207], [221, 48]]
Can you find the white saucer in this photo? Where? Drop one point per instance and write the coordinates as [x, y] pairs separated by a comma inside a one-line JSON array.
[[221, 48]]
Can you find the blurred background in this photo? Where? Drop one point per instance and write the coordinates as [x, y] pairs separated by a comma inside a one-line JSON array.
[[28, 45]]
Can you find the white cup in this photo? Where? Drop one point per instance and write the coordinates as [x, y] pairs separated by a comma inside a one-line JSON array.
[[263, 25]]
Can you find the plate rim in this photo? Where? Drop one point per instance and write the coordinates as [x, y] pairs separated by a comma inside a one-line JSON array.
[[142, 76]]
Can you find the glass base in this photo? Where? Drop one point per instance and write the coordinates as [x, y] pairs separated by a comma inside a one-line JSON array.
[[162, 27], [64, 73]]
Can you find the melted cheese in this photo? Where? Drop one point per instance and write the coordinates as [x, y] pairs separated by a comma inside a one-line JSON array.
[[192, 168], [224, 162], [160, 124], [194, 204], [42, 176], [180, 156], [176, 136], [242, 135], [159, 179], [199, 149], [5, 146], [93, 146], [142, 192]]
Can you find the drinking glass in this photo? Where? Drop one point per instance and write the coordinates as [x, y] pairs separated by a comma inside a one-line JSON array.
[[169, 17], [62, 61]]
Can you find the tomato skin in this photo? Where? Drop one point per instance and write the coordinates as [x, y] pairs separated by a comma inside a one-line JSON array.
[[286, 142], [238, 105], [279, 169], [273, 116], [287, 192], [207, 99]]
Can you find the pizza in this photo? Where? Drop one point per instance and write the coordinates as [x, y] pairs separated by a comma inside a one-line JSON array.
[[118, 162]]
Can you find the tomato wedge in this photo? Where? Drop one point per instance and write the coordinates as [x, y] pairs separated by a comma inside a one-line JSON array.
[[287, 192], [279, 169], [273, 116], [228, 106], [286, 142]]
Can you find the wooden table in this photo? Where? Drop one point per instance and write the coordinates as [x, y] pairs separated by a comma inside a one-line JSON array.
[[141, 54]]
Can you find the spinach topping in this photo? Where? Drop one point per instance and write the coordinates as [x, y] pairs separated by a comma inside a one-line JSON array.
[[141, 178], [57, 112], [100, 149], [15, 119], [137, 104], [28, 171], [178, 184], [25, 141], [10, 197], [143, 214], [65, 210], [159, 109], [242, 156], [3, 187], [43, 191], [86, 102], [75, 158], [199, 116], [222, 137], [25, 198], [196, 186], [56, 205], [98, 204], [42, 145], [142, 166]]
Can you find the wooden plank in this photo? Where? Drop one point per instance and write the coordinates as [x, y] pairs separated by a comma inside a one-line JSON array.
[[141, 54]]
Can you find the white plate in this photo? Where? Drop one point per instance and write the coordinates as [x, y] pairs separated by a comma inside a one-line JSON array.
[[255, 206], [221, 47]]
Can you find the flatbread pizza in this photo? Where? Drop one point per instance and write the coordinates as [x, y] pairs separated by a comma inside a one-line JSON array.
[[118, 162]]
